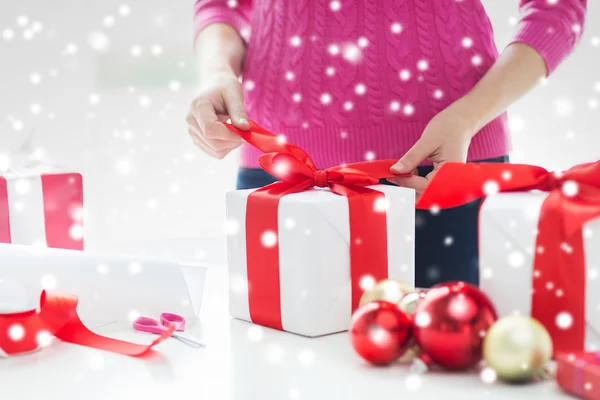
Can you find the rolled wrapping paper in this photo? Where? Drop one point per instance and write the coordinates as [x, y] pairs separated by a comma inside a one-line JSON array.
[[27, 331]]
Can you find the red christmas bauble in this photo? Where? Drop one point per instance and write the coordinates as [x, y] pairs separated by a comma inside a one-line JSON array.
[[379, 332], [450, 324]]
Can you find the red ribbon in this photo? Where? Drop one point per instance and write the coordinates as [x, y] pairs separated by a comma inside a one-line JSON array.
[[559, 263], [21, 333], [297, 173]]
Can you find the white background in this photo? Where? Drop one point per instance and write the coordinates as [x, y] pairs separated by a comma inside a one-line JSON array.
[[116, 118]]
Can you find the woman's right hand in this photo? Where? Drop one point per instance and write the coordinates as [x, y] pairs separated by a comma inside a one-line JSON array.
[[221, 99]]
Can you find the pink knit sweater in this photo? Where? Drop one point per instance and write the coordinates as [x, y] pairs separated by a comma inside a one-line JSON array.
[[349, 80]]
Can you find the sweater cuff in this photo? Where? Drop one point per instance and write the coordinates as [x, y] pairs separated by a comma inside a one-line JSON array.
[[552, 42], [226, 16]]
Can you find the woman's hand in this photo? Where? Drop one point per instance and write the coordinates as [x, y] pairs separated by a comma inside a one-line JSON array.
[[218, 101], [446, 138], [220, 52]]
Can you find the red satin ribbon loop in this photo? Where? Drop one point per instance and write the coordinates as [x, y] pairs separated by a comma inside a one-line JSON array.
[[559, 265], [322, 178]]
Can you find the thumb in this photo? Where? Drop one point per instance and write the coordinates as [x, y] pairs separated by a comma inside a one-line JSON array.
[[235, 108], [412, 158]]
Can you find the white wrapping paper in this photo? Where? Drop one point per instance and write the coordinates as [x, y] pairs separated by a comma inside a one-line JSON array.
[[507, 233], [110, 288], [314, 256]]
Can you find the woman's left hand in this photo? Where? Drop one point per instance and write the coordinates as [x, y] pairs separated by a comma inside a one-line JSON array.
[[445, 139]]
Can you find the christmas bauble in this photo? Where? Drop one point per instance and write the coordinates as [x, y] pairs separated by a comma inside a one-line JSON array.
[[517, 348], [450, 324], [379, 332], [390, 290], [410, 301]]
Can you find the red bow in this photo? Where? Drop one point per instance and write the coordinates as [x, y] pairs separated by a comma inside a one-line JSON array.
[[574, 199], [297, 172]]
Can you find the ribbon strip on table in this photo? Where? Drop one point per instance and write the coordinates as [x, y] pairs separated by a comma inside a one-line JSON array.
[[573, 200], [27, 331], [297, 173]]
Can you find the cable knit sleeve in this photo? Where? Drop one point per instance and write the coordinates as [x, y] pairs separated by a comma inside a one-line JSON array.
[[235, 13], [552, 27]]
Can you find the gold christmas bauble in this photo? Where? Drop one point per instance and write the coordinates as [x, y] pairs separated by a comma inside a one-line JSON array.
[[410, 301], [517, 348], [390, 290]]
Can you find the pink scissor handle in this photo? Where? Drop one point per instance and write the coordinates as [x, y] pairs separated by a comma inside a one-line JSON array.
[[167, 319], [148, 325]]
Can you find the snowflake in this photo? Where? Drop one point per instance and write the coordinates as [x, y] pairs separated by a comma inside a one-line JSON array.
[[43, 338], [566, 247], [564, 320], [381, 204], [156, 50], [576, 28], [570, 188], [136, 51], [592, 273], [37, 26], [490, 187], [563, 107], [487, 273], [135, 268], [232, 3], [124, 10], [249, 85], [488, 375], [17, 125], [409, 109], [28, 34], [334, 49], [96, 360], [94, 98], [448, 241], [422, 319], [151, 204], [109, 21], [174, 86], [352, 53], [23, 186], [593, 103], [348, 105], [367, 282], [294, 393], [290, 223], [549, 285], [22, 21], [76, 232], [295, 41], [325, 98], [476, 60], [413, 382], [507, 175], [360, 89], [595, 41], [438, 94], [269, 239], [394, 106], [98, 41], [597, 86], [512, 21], [254, 333], [588, 386], [343, 134], [145, 101], [516, 259], [369, 156], [422, 65], [434, 209], [8, 34], [289, 76], [362, 42], [35, 78], [70, 49], [16, 332], [102, 269], [467, 42], [306, 357], [559, 293], [396, 28], [274, 354], [305, 125], [404, 75]]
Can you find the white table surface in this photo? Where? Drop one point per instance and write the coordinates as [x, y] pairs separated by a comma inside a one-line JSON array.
[[241, 362]]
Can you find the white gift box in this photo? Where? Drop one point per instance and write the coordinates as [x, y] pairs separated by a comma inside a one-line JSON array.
[[42, 208], [110, 288], [507, 236], [314, 255]]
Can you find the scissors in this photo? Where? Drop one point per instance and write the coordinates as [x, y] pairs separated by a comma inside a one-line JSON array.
[[149, 325]]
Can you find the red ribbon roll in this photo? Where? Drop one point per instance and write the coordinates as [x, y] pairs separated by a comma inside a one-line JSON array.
[[297, 173], [574, 199], [27, 331]]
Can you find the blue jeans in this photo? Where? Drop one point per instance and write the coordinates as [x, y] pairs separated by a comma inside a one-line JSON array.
[[446, 244]]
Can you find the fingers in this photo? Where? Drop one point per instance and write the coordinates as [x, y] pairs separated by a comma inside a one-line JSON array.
[[234, 103], [214, 148], [413, 157], [210, 125], [415, 182]]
